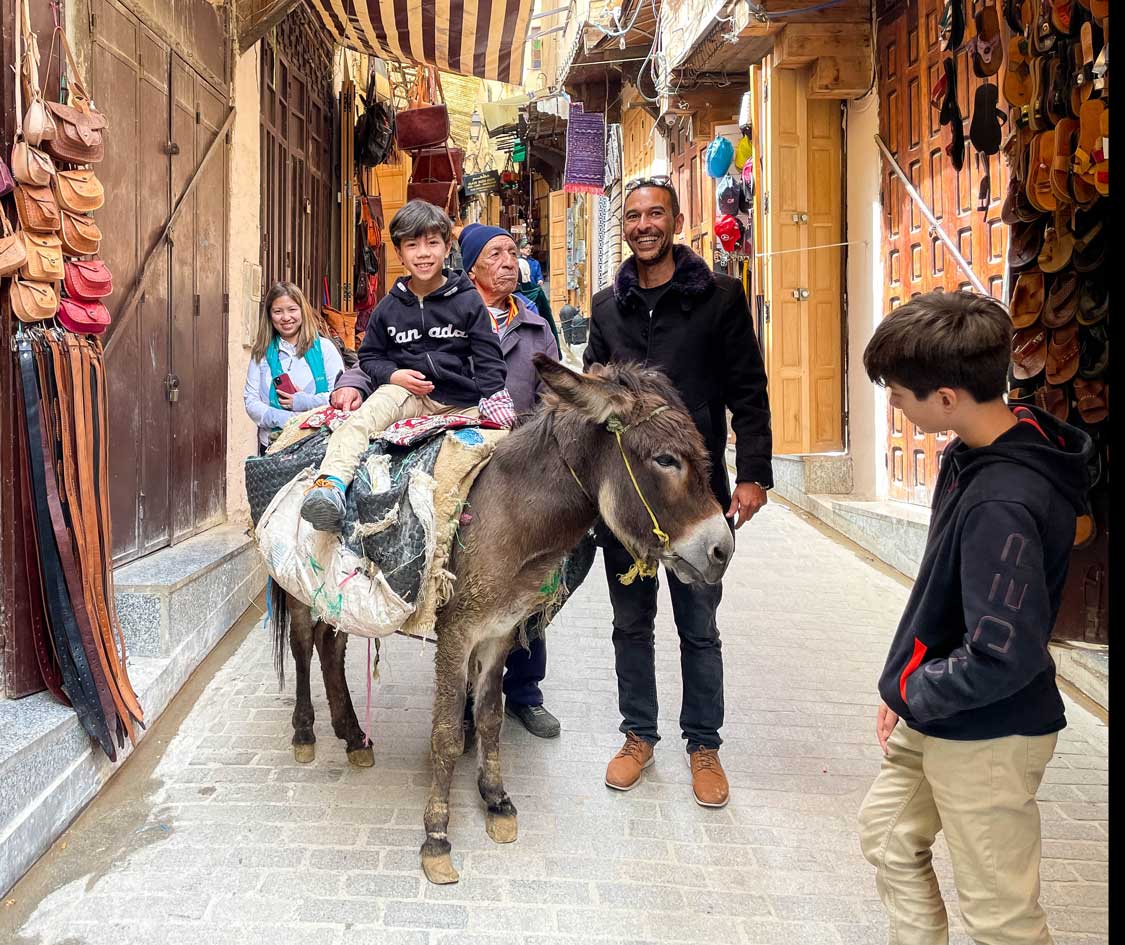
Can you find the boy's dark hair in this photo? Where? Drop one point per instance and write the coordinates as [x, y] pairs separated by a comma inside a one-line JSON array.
[[419, 218], [943, 339]]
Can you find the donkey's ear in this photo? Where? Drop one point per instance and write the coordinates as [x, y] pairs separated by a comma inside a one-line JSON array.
[[598, 399]]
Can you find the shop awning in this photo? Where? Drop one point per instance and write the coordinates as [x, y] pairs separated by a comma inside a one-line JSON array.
[[483, 38]]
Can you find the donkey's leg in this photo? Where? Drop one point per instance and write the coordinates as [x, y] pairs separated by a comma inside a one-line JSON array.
[[301, 629], [331, 646], [501, 818], [446, 744]]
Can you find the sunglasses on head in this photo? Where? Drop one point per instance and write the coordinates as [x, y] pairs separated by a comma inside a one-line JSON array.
[[660, 180]]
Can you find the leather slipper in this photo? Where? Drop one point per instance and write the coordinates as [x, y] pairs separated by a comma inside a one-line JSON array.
[[1029, 352], [985, 131], [1093, 302], [1017, 78], [1084, 57], [1062, 12], [1092, 398], [1099, 9], [1058, 245], [1042, 156], [1013, 16], [1024, 243], [1093, 357], [1040, 88], [1062, 354], [1027, 299], [987, 50], [1042, 32], [1085, 530], [1101, 157], [1062, 301], [1090, 255], [953, 25], [1058, 85], [1054, 400], [1088, 151], [1065, 133]]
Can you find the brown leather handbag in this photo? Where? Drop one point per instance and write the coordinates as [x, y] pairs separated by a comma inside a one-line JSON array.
[[30, 165], [87, 279], [44, 257], [425, 123], [13, 254], [440, 194], [439, 164], [79, 191], [33, 301], [78, 137], [37, 209], [82, 317], [80, 234]]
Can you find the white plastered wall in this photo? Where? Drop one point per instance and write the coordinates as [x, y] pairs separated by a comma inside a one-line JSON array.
[[244, 275], [867, 409]]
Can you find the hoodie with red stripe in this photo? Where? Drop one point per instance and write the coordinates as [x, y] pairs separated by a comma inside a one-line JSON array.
[[969, 660]]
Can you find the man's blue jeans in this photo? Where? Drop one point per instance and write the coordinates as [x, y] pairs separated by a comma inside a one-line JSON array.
[[634, 645], [523, 673]]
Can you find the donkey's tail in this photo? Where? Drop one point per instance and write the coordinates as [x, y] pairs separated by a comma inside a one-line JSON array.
[[277, 617]]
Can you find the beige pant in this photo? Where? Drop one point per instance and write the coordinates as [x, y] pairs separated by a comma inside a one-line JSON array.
[[982, 795], [389, 404]]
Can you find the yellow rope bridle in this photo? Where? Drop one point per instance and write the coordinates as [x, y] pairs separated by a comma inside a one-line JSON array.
[[646, 568]]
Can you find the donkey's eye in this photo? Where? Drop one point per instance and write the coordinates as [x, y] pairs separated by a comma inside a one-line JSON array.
[[667, 461]]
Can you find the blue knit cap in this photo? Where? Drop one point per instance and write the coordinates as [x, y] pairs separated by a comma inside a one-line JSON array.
[[473, 239]]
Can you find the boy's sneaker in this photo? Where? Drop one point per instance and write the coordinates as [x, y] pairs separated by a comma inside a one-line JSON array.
[[323, 507]]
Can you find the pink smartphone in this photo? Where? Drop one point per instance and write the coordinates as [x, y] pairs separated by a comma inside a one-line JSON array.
[[284, 384]]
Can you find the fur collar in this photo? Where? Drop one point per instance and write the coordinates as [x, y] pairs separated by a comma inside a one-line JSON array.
[[692, 278]]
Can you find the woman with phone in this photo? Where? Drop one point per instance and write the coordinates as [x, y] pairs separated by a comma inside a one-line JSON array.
[[292, 366]]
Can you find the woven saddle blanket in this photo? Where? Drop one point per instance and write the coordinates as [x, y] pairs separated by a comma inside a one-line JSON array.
[[387, 572]]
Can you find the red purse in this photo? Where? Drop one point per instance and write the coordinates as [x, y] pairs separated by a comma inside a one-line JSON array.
[[438, 164], [83, 318], [87, 279]]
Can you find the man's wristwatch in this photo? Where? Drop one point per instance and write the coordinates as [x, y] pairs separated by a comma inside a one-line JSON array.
[[763, 486]]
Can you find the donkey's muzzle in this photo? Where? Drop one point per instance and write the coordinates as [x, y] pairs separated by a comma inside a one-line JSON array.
[[703, 552]]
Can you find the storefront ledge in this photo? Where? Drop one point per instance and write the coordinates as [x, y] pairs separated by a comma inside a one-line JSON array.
[[49, 768], [814, 473], [1086, 670]]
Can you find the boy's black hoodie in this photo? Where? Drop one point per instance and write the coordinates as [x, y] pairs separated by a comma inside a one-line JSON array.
[[969, 660], [447, 336]]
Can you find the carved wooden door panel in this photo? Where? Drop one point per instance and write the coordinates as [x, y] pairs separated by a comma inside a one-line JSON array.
[[914, 259]]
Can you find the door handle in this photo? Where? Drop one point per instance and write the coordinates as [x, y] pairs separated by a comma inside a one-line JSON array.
[[801, 295]]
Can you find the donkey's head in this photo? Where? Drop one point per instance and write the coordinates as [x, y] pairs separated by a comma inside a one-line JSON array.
[[635, 451]]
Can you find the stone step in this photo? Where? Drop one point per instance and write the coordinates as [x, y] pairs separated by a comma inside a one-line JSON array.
[[175, 605]]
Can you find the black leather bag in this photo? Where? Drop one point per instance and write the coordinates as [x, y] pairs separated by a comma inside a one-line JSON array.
[[375, 130]]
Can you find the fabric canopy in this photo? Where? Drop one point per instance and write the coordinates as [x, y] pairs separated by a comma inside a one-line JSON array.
[[484, 38]]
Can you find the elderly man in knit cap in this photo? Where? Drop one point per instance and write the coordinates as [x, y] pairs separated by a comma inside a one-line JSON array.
[[491, 261]]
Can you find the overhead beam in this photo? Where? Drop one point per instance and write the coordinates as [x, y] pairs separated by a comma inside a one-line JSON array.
[[264, 18]]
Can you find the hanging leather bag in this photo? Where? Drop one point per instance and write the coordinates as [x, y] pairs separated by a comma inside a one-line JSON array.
[[78, 137], [30, 165], [439, 164], [424, 124], [87, 279], [38, 124], [79, 191], [13, 254], [33, 301], [7, 182], [80, 234], [82, 317], [440, 194], [374, 130], [44, 261], [37, 209]]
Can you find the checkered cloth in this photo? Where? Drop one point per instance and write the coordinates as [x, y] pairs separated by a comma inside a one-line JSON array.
[[499, 408]]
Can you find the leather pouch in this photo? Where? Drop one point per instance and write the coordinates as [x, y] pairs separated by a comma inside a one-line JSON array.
[[30, 165], [33, 301], [79, 191], [80, 234], [13, 254], [78, 135], [37, 209], [38, 122], [87, 279], [84, 318], [44, 257]]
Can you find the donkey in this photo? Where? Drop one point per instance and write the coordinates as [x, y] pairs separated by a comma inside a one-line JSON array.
[[616, 443]]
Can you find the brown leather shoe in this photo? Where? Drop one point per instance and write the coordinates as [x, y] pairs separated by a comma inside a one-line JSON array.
[[708, 780], [624, 771]]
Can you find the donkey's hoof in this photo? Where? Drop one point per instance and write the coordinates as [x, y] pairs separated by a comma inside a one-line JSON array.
[[439, 869], [502, 828], [362, 757], [304, 754]]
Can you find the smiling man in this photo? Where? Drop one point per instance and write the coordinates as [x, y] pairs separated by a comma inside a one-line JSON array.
[[667, 309]]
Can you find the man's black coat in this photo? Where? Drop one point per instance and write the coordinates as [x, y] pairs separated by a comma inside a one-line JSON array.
[[700, 334]]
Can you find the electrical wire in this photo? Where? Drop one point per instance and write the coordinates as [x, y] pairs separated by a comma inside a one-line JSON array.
[[617, 35], [759, 13]]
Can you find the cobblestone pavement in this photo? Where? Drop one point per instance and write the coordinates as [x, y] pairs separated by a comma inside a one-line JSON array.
[[222, 838]]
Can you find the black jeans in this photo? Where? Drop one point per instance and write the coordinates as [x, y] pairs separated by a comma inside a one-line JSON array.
[[634, 645]]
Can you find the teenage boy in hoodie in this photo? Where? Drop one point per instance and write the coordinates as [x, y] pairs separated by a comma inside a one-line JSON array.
[[968, 673], [430, 348]]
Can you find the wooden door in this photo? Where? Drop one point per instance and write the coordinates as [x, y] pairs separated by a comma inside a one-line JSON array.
[[557, 236], [802, 274], [915, 260], [392, 180]]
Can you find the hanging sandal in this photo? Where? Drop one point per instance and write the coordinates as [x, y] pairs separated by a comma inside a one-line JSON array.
[[986, 131], [1066, 131], [1062, 355], [1029, 352], [1054, 400], [1043, 36], [1024, 243], [1058, 245], [1093, 303], [1042, 156], [1089, 149], [1062, 12], [1062, 301], [1017, 78], [952, 26], [1027, 299], [1093, 399], [987, 48]]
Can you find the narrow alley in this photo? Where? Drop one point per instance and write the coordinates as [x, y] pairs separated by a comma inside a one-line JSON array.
[[213, 834]]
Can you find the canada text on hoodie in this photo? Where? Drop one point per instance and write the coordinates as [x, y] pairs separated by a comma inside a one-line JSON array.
[[970, 660], [446, 336]]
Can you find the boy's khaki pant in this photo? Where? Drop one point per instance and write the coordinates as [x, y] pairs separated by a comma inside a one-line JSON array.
[[389, 404], [982, 794]]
